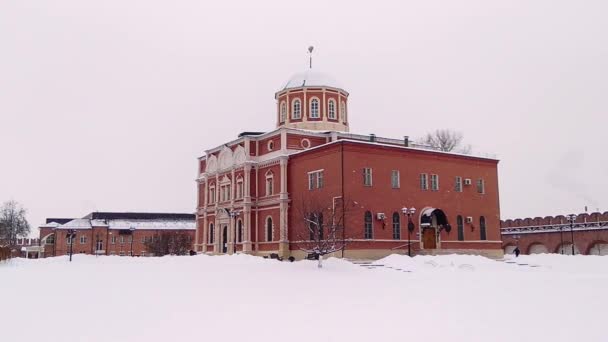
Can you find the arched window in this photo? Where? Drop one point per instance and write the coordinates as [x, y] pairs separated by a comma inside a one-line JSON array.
[[296, 109], [482, 228], [239, 187], [314, 108], [239, 231], [283, 112], [269, 183], [368, 228], [396, 226], [212, 193], [269, 229], [211, 233], [460, 224], [331, 109], [343, 111]]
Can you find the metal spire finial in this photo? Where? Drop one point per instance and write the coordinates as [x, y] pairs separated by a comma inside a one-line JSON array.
[[310, 48]]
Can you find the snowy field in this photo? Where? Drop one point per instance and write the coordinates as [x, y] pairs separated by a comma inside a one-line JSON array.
[[243, 298]]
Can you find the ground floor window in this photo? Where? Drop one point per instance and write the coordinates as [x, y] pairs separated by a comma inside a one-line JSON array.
[[460, 224], [396, 226], [368, 226]]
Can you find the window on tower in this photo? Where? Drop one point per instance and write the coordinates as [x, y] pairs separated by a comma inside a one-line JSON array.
[[296, 110], [283, 112], [331, 109], [314, 108]]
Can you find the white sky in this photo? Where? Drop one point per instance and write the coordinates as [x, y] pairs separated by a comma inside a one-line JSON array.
[[105, 105]]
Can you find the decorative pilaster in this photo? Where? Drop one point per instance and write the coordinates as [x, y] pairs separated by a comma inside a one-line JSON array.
[[283, 196], [247, 209]]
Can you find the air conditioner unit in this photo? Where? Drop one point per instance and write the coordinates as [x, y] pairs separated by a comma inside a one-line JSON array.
[[469, 219], [467, 181], [381, 216]]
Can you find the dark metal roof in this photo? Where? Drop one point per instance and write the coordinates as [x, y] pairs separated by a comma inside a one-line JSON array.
[[138, 216], [58, 220], [250, 133]]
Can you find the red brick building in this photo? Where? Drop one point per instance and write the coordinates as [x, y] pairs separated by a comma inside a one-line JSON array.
[[555, 234], [106, 233], [250, 189]]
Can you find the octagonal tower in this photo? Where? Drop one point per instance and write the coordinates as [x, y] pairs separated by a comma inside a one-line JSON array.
[[312, 100]]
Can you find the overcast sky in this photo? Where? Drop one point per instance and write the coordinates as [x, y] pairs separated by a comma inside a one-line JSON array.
[[105, 105]]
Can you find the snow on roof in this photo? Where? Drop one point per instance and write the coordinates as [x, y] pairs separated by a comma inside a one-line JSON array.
[[311, 78], [152, 224], [77, 224], [176, 224], [50, 225]]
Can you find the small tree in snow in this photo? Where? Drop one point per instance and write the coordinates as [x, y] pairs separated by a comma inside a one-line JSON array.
[[321, 230], [169, 243], [447, 141], [13, 223]]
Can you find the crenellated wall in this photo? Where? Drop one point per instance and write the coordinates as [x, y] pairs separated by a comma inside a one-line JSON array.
[[555, 234]]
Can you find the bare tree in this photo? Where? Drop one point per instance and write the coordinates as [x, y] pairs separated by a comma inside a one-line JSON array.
[[13, 223], [321, 225], [447, 141], [169, 243]]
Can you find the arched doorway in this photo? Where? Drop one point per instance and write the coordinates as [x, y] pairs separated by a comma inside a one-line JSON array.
[[566, 249], [510, 249], [537, 248], [598, 248], [432, 221], [225, 239]]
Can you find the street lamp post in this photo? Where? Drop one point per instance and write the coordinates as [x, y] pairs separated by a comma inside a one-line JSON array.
[[561, 236], [410, 226], [572, 218], [132, 230], [71, 233]]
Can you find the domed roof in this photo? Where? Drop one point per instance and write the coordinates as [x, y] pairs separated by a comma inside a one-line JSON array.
[[311, 78]]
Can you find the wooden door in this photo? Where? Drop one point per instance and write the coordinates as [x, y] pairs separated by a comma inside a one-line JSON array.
[[428, 238]]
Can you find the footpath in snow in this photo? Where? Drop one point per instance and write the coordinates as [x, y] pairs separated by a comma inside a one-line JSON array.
[[244, 298]]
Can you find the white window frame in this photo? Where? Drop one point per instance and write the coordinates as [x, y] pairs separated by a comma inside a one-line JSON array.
[[395, 179], [434, 182], [269, 238], [212, 194], [269, 183], [368, 176], [239, 188], [343, 111], [331, 109], [83, 239], [225, 192], [296, 113], [424, 181], [315, 113], [113, 240], [458, 184], [315, 179]]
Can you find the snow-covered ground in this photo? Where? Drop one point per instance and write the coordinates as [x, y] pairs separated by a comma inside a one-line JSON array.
[[243, 298]]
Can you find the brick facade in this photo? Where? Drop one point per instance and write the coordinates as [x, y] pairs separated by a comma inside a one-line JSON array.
[[554, 234], [115, 234], [262, 218]]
